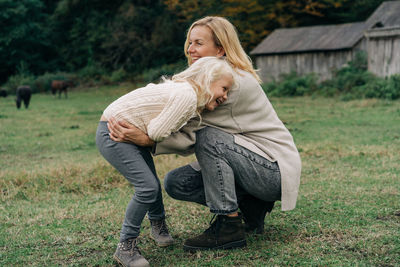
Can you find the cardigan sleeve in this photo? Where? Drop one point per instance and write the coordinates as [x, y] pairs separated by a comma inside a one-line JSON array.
[[181, 142], [180, 107]]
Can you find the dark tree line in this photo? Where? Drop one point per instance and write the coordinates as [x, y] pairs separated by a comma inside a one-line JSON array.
[[66, 35]]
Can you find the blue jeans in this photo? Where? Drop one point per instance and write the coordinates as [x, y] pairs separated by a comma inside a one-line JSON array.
[[136, 164], [227, 170]]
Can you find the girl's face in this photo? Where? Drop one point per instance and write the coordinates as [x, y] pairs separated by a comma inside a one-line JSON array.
[[220, 89], [201, 44]]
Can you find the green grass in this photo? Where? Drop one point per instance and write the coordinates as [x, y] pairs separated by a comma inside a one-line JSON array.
[[62, 204]]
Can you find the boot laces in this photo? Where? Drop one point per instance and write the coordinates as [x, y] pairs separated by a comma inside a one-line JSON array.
[[131, 246], [161, 226], [215, 224]]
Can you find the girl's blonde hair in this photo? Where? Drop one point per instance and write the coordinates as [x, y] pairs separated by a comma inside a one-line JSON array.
[[225, 36], [202, 74]]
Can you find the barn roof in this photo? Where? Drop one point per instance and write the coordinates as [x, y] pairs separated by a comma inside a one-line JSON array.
[[327, 37], [387, 14], [314, 38]]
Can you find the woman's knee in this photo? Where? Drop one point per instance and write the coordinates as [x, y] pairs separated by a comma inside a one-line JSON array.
[[182, 181], [171, 181]]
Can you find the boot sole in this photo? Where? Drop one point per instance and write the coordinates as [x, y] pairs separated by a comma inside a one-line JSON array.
[[230, 245], [162, 245], [119, 263]]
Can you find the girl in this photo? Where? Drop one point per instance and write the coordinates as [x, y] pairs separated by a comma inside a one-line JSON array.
[[158, 110]]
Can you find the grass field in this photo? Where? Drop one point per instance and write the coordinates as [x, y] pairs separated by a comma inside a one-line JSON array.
[[62, 204]]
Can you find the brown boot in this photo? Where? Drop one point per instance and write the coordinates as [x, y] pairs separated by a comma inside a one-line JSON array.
[[128, 254], [160, 234], [224, 233]]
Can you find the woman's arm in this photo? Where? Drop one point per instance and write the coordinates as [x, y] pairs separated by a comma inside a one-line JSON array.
[[122, 131]]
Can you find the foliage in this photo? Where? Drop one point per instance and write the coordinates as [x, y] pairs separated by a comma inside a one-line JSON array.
[[255, 19], [24, 37], [116, 34], [118, 75], [154, 74], [292, 84], [38, 84], [43, 82], [18, 80], [382, 88], [92, 71]]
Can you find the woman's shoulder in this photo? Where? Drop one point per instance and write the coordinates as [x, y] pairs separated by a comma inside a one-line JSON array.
[[246, 79]]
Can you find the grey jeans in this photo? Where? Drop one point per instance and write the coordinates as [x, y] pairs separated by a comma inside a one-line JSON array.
[[227, 170], [136, 164]]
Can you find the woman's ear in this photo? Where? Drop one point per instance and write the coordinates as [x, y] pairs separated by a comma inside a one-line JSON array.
[[221, 52]]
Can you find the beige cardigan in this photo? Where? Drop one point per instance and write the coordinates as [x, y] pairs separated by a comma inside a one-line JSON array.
[[250, 117]]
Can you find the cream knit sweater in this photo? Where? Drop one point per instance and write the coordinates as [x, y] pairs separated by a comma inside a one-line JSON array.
[[157, 109]]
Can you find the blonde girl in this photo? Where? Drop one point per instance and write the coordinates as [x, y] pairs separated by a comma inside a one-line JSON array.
[[158, 110]]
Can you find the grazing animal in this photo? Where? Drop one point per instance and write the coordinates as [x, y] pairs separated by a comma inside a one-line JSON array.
[[24, 93], [3, 93], [60, 86]]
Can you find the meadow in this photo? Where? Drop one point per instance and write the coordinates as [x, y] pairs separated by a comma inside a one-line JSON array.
[[62, 204]]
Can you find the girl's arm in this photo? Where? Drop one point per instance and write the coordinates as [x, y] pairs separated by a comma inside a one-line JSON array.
[[180, 107], [122, 131]]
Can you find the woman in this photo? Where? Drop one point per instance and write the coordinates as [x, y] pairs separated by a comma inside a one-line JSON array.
[[158, 110], [249, 157]]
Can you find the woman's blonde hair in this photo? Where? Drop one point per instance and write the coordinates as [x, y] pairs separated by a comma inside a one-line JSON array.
[[202, 74], [225, 36]]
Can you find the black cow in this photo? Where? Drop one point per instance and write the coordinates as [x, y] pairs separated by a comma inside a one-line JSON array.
[[24, 93], [3, 93], [60, 86]]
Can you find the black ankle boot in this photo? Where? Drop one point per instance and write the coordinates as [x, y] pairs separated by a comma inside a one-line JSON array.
[[254, 211], [224, 233]]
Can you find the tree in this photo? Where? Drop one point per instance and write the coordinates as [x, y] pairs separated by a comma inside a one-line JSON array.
[[255, 19], [24, 37]]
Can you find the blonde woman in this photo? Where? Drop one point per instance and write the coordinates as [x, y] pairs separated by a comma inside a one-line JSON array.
[[158, 110], [247, 158]]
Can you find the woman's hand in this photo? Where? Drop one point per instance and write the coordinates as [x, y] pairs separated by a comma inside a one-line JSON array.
[[121, 131]]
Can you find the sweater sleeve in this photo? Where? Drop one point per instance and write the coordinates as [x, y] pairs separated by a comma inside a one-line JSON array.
[[180, 107]]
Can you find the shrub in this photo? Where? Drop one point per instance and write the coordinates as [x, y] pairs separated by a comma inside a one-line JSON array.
[[292, 84], [347, 79], [118, 76], [154, 74], [393, 89], [92, 72], [43, 82], [20, 79]]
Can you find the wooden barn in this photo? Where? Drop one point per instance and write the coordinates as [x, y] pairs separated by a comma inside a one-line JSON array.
[[383, 48], [322, 49]]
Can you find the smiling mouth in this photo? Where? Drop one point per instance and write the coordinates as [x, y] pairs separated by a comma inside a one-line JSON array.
[[219, 101]]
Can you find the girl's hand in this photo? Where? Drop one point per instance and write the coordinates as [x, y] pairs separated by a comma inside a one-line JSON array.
[[122, 131]]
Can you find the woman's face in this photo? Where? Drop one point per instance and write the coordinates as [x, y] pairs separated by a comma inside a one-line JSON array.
[[201, 44], [220, 89]]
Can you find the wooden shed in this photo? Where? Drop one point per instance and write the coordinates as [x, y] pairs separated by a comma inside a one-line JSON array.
[[320, 49], [383, 49]]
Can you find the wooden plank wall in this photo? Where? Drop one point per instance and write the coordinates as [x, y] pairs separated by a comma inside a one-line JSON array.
[[383, 48], [322, 63]]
